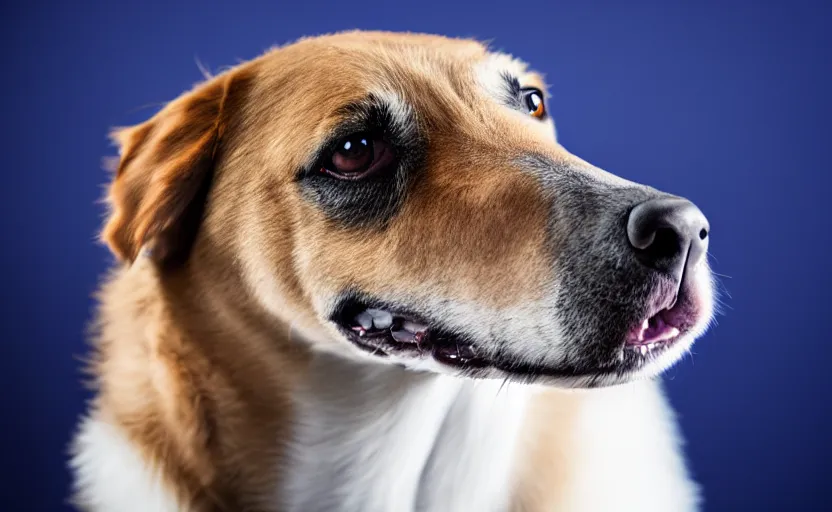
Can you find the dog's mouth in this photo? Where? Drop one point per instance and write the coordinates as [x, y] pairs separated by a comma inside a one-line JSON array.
[[383, 330], [664, 325], [654, 333]]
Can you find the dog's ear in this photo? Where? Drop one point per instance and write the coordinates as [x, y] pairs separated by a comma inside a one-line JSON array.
[[164, 173]]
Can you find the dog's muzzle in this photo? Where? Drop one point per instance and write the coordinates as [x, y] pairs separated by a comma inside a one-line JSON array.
[[630, 289]]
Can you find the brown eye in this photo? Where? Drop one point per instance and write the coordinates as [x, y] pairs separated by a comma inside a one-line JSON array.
[[358, 156], [534, 103]]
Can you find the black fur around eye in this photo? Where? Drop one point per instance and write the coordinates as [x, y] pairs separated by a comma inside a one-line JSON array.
[[358, 176], [533, 102]]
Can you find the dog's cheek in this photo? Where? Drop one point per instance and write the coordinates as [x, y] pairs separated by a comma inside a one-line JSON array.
[[354, 204], [474, 233]]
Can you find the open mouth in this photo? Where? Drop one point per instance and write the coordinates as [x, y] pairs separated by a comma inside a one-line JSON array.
[[654, 333], [383, 330], [661, 329]]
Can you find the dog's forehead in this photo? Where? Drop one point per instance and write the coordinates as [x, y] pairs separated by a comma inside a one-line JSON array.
[[353, 64], [455, 83]]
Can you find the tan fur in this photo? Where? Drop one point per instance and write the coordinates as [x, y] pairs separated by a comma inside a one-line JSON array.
[[192, 362], [545, 457]]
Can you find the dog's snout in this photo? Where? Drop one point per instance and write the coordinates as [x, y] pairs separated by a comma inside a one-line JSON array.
[[668, 234]]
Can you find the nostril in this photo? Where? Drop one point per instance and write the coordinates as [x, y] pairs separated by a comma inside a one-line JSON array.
[[703, 234], [666, 244]]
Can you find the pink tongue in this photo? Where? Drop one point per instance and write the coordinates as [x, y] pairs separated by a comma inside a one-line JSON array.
[[652, 331]]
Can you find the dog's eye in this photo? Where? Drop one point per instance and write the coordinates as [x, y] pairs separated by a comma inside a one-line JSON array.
[[533, 99], [358, 156]]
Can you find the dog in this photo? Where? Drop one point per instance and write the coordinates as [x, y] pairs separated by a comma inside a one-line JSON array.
[[359, 273]]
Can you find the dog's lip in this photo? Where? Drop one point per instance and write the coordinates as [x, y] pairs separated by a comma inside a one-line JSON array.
[[444, 347], [658, 327], [669, 321], [407, 335], [465, 357], [393, 330], [671, 317]]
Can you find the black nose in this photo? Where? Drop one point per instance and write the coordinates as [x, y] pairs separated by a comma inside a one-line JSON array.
[[668, 234]]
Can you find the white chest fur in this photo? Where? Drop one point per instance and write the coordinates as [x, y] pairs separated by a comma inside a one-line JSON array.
[[376, 438], [627, 454], [373, 438]]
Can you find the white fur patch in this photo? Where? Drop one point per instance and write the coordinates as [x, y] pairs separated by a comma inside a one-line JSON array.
[[474, 453], [111, 475], [402, 113], [372, 437], [627, 458], [493, 69]]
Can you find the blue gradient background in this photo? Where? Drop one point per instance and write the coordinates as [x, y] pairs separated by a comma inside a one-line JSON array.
[[726, 103]]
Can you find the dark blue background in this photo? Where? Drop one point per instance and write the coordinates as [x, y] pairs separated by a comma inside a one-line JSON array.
[[724, 102]]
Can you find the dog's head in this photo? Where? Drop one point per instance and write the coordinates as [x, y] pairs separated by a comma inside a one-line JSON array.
[[403, 198]]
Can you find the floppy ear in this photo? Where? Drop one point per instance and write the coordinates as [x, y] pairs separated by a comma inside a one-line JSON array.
[[164, 173]]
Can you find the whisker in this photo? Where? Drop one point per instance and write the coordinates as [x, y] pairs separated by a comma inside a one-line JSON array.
[[505, 381]]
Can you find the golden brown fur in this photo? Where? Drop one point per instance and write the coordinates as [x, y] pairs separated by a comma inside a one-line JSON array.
[[194, 359]]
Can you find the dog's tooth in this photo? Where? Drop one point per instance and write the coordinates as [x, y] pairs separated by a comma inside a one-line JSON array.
[[382, 319], [644, 326], [643, 349], [651, 346], [365, 319], [414, 327], [403, 336]]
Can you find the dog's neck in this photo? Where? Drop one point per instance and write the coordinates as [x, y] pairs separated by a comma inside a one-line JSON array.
[[373, 437], [363, 436], [309, 431], [369, 436]]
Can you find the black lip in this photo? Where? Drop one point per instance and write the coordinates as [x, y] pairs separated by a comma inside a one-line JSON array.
[[476, 366], [445, 348], [460, 352]]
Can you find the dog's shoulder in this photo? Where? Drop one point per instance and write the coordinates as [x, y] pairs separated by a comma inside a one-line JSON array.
[[141, 441], [178, 418]]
